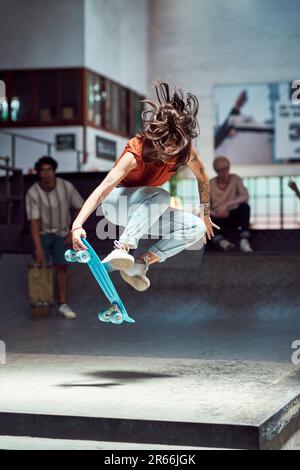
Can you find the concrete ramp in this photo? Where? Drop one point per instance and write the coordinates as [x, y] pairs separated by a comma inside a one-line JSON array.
[[224, 404]]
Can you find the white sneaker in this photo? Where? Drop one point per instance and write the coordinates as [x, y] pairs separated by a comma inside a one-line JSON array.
[[245, 246], [226, 245], [136, 275], [66, 311], [119, 258]]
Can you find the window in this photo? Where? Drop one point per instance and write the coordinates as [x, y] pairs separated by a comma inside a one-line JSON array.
[[55, 97], [112, 106], [124, 110], [96, 96], [116, 107], [4, 108], [138, 109], [273, 204], [69, 88], [47, 102], [21, 97]]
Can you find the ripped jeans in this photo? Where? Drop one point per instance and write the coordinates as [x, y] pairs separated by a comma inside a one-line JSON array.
[[146, 210]]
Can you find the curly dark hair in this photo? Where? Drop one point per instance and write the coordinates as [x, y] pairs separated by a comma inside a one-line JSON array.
[[172, 123], [45, 161]]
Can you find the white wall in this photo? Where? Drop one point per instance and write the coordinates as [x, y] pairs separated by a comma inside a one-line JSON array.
[[116, 40], [198, 43], [108, 36], [41, 33], [27, 152], [193, 43], [100, 164]]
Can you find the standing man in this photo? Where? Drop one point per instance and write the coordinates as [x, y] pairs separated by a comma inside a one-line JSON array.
[[48, 204], [230, 208]]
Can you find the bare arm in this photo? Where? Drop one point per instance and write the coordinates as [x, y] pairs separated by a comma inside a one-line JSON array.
[[243, 195], [116, 174], [35, 233], [36, 237], [196, 165]]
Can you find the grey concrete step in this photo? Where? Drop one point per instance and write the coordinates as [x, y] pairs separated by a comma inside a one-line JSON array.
[[175, 402]]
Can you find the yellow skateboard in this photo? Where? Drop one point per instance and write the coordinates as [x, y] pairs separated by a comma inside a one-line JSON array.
[[40, 289]]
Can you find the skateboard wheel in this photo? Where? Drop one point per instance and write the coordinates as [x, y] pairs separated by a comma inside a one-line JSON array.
[[70, 255], [117, 318], [103, 316], [83, 256]]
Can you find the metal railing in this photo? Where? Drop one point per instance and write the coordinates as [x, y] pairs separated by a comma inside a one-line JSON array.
[[273, 204], [49, 146], [8, 195]]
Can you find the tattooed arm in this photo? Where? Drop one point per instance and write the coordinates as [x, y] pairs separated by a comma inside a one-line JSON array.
[[116, 174], [196, 165]]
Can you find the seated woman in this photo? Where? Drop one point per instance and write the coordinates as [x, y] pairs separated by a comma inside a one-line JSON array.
[[230, 208]]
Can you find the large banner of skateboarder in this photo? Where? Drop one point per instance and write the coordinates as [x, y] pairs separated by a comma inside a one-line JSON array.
[[257, 123]]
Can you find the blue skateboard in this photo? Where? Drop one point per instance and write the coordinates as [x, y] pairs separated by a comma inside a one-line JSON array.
[[116, 313]]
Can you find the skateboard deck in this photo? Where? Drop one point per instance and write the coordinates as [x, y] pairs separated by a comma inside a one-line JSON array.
[[40, 289], [116, 313]]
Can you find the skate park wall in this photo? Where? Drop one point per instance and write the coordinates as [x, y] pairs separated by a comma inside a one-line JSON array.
[[116, 40], [108, 37], [48, 34], [196, 45]]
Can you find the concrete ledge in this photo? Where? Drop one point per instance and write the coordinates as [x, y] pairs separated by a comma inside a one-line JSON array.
[[129, 430], [196, 403], [271, 435], [276, 431]]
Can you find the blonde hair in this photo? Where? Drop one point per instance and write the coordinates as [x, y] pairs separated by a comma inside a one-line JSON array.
[[220, 159]]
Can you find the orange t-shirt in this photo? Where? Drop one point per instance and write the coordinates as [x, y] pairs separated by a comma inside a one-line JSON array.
[[146, 173]]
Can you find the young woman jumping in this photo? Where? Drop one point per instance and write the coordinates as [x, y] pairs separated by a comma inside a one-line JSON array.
[[149, 160]]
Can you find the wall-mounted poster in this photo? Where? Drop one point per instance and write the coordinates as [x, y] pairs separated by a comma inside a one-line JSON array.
[[65, 142], [256, 123], [105, 148], [287, 135]]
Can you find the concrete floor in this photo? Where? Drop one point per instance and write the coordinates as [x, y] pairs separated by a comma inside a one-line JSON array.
[[209, 313], [212, 344], [239, 393]]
